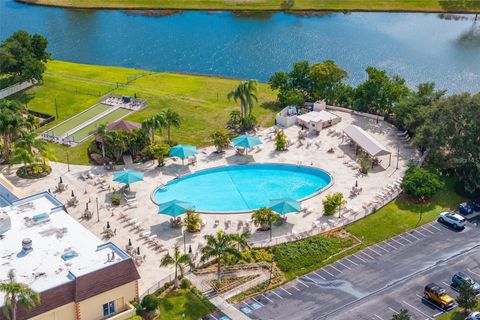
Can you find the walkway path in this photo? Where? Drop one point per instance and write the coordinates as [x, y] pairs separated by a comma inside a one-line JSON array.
[[228, 309]]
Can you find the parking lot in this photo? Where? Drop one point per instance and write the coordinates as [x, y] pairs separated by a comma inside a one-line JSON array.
[[378, 281]]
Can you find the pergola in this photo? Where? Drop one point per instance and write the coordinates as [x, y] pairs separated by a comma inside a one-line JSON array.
[[366, 142]]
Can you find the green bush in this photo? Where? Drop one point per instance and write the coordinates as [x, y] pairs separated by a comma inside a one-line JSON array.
[[210, 306], [280, 141], [419, 183], [304, 253], [332, 202], [150, 303], [116, 198], [185, 283]]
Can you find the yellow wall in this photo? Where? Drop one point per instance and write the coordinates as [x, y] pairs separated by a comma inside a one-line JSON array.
[[92, 308], [66, 312]]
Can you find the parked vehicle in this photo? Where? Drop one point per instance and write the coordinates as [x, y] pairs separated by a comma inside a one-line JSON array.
[[452, 219], [465, 209], [461, 278], [439, 296], [473, 316]]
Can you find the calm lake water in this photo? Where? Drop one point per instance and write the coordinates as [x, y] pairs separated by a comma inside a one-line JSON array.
[[419, 47]]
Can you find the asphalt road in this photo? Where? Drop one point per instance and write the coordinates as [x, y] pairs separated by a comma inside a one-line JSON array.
[[378, 281]]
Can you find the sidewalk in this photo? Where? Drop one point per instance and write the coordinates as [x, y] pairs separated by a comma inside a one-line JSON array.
[[232, 312]]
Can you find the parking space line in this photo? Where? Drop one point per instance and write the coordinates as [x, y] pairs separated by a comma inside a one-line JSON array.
[[327, 272], [408, 304], [267, 298], [258, 302], [371, 249], [415, 230], [319, 275], [351, 261], [285, 290], [378, 316], [411, 234], [295, 288], [359, 258], [379, 246], [423, 228], [388, 244], [367, 255], [394, 311], [436, 228], [213, 317], [446, 284], [393, 239], [276, 294], [470, 270], [404, 238], [343, 265], [429, 302], [331, 266], [247, 304], [303, 283]]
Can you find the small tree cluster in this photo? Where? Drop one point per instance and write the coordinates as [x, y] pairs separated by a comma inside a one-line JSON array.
[[280, 141], [192, 221], [220, 140], [419, 183], [332, 202]]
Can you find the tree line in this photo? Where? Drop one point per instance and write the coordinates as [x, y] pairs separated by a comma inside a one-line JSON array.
[[447, 126]]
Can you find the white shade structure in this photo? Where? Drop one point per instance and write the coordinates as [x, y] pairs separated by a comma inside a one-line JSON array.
[[366, 142]]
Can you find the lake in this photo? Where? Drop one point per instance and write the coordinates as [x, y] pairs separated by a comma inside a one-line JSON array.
[[419, 47]]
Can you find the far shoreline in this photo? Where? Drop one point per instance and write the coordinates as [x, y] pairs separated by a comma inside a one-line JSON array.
[[99, 5]]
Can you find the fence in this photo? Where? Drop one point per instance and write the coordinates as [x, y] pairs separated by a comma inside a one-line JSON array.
[[8, 91], [161, 283], [358, 113]]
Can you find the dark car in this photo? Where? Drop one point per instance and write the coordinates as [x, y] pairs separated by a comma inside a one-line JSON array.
[[461, 278], [465, 209], [475, 204]]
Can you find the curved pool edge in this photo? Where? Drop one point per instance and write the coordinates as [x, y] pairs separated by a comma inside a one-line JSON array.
[[240, 164]]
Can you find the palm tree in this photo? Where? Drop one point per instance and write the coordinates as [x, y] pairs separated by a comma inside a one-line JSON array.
[[155, 122], [246, 94], [101, 132], [241, 239], [11, 123], [218, 247], [29, 149], [192, 221], [115, 144], [220, 140], [178, 259], [265, 217], [172, 119], [17, 295]]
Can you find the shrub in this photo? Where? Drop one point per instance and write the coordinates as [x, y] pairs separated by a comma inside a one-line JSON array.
[[116, 198], [419, 183], [332, 202], [192, 221], [150, 303], [364, 167], [220, 140], [248, 123], [280, 141], [185, 283]]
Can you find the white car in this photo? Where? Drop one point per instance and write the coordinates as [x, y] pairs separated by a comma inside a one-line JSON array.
[[453, 219], [473, 316]]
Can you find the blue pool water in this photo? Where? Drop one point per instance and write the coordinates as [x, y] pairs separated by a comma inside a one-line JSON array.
[[243, 187]]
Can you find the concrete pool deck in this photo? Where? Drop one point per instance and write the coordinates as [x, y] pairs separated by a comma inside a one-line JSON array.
[[145, 211]]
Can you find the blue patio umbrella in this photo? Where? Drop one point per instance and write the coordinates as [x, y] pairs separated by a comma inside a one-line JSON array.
[[284, 205], [246, 141], [182, 151], [128, 176], [174, 208]]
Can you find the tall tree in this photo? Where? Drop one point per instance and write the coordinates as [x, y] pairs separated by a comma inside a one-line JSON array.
[[29, 149], [402, 315], [17, 295], [171, 118], [23, 56], [179, 260], [466, 297], [326, 77], [219, 246], [11, 125], [246, 94], [241, 240], [155, 122], [101, 132]]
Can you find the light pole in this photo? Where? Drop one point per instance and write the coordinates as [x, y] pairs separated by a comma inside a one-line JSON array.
[[422, 198], [184, 241], [56, 107], [68, 163], [398, 153]]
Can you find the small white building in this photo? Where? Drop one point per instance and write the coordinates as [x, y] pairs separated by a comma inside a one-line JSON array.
[[317, 120]]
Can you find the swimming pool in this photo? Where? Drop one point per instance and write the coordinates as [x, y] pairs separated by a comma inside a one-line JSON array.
[[246, 187]]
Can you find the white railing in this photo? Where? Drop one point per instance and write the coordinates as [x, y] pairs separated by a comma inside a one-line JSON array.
[[8, 91]]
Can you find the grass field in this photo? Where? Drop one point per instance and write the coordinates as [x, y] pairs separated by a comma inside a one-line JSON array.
[[201, 101], [111, 117], [78, 120], [180, 301], [353, 5]]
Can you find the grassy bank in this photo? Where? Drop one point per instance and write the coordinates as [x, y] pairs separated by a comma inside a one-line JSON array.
[[351, 5], [182, 301], [201, 101]]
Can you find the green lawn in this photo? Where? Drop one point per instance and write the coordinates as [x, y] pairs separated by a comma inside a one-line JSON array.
[[201, 101], [108, 118], [364, 5], [180, 301]]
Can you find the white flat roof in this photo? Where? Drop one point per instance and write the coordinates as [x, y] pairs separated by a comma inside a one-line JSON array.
[[43, 267], [317, 116], [365, 141]]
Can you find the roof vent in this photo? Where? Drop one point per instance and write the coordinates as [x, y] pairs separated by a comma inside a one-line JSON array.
[[26, 245]]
